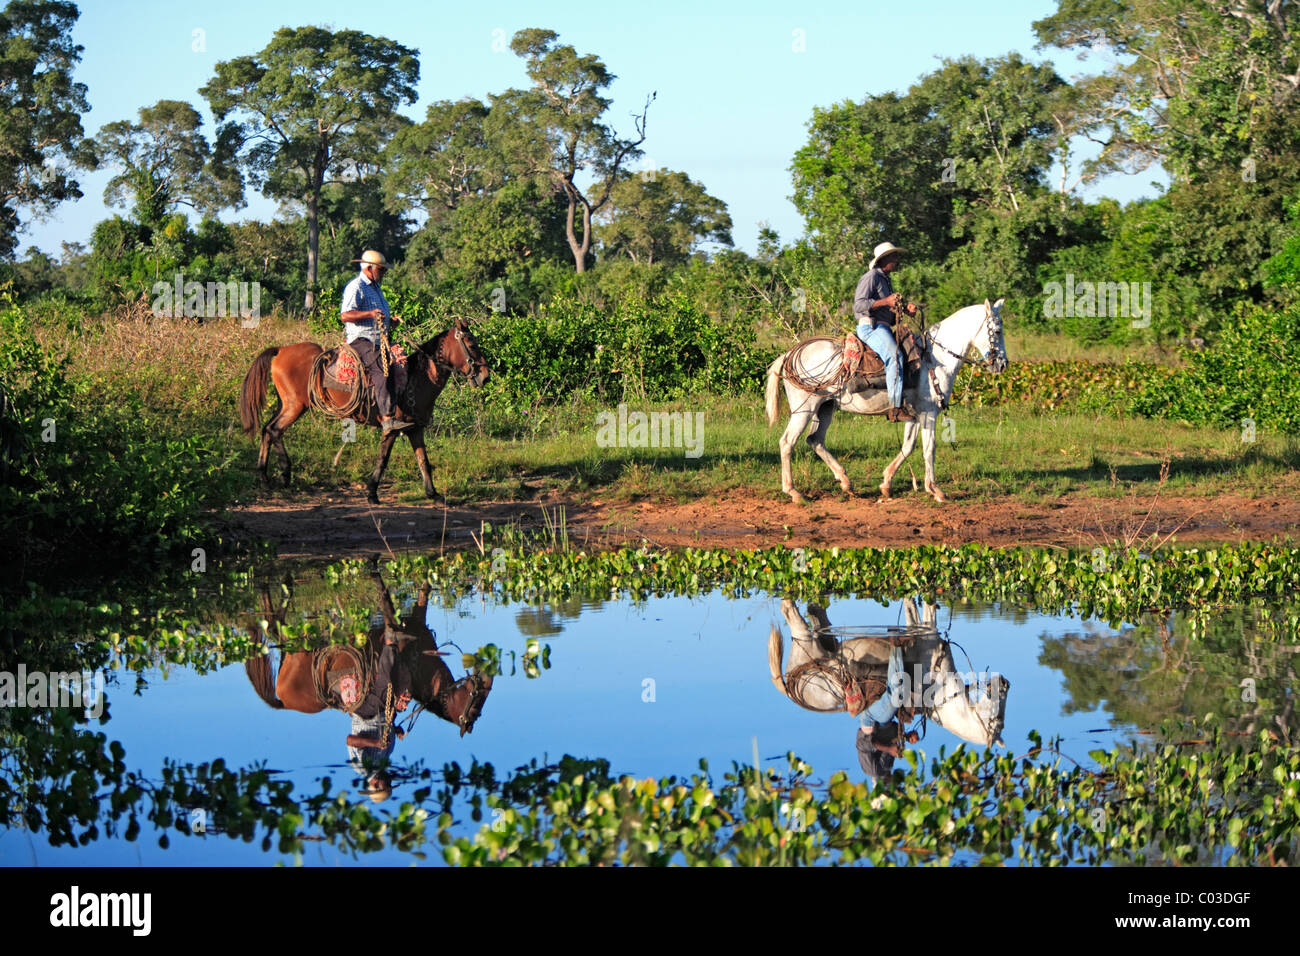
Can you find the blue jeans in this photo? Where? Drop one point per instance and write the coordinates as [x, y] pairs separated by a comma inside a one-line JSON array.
[[881, 340]]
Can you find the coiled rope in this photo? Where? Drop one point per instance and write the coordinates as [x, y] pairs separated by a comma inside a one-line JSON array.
[[360, 398]]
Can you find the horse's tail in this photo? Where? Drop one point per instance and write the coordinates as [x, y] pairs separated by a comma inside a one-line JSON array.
[[259, 674], [773, 389], [774, 660], [253, 395]]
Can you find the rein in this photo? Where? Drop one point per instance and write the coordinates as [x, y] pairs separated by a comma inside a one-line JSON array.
[[931, 342]]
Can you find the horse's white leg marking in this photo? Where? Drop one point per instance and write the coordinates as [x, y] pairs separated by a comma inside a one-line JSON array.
[[798, 422], [927, 446], [909, 442], [818, 442]]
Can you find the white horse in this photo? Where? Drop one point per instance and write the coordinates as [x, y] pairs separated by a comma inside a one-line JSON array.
[[970, 706], [946, 345]]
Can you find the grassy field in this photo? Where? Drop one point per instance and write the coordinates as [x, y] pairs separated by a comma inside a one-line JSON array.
[[479, 453]]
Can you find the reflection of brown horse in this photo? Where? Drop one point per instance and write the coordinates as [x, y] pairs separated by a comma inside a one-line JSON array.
[[289, 366], [433, 687]]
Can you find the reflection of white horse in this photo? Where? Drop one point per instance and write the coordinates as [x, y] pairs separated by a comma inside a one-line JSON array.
[[974, 711], [977, 325]]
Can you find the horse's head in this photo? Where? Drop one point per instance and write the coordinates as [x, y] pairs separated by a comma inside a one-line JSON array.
[[990, 341], [466, 700], [457, 349], [458, 702]]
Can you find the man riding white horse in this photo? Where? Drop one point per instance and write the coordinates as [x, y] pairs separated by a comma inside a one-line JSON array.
[[873, 305]]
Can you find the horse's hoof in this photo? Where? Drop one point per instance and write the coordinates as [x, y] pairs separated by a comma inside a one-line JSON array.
[[796, 497], [436, 498]]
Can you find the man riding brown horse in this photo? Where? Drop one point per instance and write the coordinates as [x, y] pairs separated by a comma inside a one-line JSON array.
[[369, 321]]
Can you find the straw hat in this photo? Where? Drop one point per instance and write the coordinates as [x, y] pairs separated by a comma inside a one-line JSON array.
[[372, 258], [882, 250]]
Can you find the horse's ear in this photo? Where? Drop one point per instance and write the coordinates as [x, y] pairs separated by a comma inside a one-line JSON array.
[[988, 307], [998, 304]]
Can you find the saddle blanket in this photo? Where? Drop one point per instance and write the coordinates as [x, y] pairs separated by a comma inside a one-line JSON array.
[[861, 360], [342, 369]]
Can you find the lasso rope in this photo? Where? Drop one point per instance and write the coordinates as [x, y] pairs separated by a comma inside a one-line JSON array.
[[321, 402], [828, 381], [320, 671]]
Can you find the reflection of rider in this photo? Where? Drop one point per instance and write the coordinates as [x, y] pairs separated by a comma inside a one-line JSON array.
[[878, 747], [371, 761]]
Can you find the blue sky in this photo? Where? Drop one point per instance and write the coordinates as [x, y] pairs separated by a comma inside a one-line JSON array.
[[736, 82]]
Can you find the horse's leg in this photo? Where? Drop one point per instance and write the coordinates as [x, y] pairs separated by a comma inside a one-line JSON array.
[[818, 442], [289, 373], [909, 442], [927, 446], [372, 486], [275, 430], [264, 452], [798, 422], [416, 436]]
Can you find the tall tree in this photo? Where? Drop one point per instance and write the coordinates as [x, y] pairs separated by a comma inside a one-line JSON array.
[[661, 218], [164, 161], [40, 112], [1197, 86], [972, 135], [312, 108], [561, 135]]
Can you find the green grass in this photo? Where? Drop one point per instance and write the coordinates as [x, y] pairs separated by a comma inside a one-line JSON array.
[[996, 452]]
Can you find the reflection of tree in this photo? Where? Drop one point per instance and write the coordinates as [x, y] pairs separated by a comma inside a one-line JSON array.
[[543, 620], [1174, 667]]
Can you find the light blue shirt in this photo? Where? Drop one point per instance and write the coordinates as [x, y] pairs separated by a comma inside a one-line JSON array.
[[362, 295], [883, 709]]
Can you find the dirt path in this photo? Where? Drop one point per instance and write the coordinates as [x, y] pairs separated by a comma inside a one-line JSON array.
[[340, 524]]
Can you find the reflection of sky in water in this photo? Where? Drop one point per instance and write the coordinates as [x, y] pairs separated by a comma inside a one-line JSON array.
[[706, 656]]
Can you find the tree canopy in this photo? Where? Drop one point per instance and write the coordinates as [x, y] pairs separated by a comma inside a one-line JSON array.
[[314, 107], [40, 112], [163, 161]]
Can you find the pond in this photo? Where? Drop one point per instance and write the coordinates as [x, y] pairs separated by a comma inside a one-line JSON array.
[[654, 686]]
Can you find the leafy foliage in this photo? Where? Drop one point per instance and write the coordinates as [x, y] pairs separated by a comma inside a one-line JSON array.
[[1252, 372], [85, 478], [42, 109]]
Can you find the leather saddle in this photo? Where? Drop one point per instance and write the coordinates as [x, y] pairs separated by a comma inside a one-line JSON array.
[[865, 367], [340, 369]]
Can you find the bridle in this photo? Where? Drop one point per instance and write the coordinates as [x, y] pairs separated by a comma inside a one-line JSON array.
[[479, 689], [987, 358], [442, 363]]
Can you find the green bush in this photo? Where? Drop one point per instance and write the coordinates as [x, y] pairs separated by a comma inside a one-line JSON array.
[[1251, 372], [87, 477]]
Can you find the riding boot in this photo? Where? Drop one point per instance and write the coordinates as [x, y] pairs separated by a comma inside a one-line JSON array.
[[899, 415], [393, 425]]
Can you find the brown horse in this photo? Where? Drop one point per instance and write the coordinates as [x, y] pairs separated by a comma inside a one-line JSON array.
[[289, 366], [459, 702]]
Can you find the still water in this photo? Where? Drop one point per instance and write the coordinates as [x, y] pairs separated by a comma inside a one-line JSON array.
[[657, 685]]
